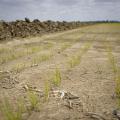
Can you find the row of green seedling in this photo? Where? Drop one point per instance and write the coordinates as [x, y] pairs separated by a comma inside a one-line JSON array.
[[76, 59], [15, 112], [34, 61], [115, 68], [13, 53]]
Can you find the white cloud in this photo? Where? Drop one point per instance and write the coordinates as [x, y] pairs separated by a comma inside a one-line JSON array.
[[60, 9]]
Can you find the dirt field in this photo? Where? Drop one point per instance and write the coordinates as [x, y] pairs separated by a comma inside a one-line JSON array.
[[69, 73]]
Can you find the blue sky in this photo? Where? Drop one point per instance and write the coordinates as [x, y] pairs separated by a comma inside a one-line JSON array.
[[68, 10]]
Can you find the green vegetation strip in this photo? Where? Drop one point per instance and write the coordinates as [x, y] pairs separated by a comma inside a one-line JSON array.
[[9, 54], [33, 62], [115, 68], [76, 59]]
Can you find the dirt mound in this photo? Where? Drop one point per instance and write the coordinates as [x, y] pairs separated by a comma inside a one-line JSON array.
[[20, 28]]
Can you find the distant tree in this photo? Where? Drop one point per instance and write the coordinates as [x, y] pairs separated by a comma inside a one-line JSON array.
[[36, 20], [27, 20]]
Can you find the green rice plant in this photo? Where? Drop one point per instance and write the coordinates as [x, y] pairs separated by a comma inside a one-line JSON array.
[[117, 89], [76, 59], [57, 77], [33, 99], [48, 45], [9, 112], [9, 56], [118, 85], [115, 68], [117, 80], [4, 50], [13, 53], [65, 46], [86, 47], [112, 59], [41, 58], [33, 49], [18, 67], [36, 60], [46, 90]]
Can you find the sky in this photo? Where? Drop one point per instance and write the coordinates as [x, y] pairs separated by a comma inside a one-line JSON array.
[[68, 10]]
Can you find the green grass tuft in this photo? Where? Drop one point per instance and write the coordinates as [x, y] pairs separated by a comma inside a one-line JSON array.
[[57, 77], [33, 99], [9, 111], [76, 59], [46, 90]]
